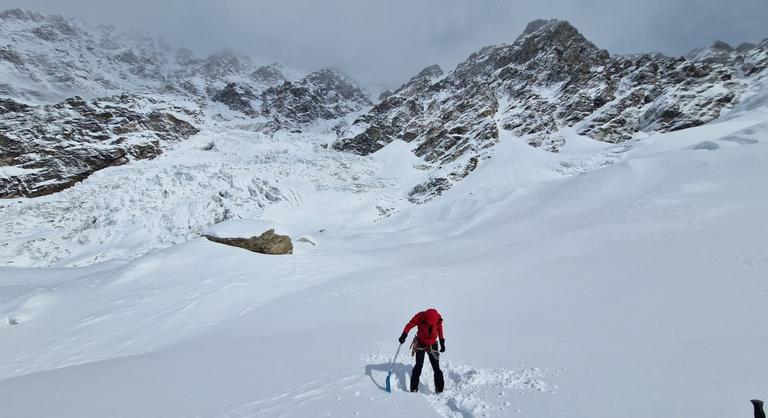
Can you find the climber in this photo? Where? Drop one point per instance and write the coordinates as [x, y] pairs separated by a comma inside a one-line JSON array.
[[430, 329]]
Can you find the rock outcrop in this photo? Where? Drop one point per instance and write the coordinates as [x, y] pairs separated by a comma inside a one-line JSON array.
[[270, 75], [321, 95], [239, 97], [45, 149], [267, 243]]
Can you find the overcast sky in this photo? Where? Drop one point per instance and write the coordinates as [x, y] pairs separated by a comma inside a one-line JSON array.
[[388, 41]]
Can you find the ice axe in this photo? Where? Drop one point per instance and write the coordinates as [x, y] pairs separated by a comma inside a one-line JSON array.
[[388, 384]]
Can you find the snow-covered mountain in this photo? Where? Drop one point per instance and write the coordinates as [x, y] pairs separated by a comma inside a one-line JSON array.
[[549, 83], [321, 95], [49, 58], [121, 97], [637, 289], [141, 98], [597, 249]]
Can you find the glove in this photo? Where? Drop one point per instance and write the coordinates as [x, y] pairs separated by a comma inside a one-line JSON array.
[[402, 338], [442, 345]]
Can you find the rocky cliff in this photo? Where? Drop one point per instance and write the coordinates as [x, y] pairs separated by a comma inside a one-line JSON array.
[[45, 149], [549, 80], [77, 98]]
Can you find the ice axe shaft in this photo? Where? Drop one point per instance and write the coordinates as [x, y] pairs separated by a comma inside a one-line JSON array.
[[392, 364]]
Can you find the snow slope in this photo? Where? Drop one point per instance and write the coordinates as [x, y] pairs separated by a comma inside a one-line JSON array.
[[602, 281], [226, 172]]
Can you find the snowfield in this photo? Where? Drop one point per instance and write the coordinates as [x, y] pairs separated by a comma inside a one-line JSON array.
[[605, 280], [225, 173]]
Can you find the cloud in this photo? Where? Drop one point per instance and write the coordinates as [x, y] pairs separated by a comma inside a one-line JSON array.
[[388, 41]]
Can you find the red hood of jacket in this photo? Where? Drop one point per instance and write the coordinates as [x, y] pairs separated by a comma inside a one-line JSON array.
[[430, 326]]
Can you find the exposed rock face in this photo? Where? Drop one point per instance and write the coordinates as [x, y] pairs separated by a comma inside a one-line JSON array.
[[267, 243], [548, 82], [549, 79], [222, 65], [421, 81], [322, 95], [385, 94], [269, 75], [48, 59], [49, 148], [237, 96], [386, 120]]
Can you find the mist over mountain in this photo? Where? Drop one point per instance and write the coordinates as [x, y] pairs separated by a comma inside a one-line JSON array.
[[386, 43]]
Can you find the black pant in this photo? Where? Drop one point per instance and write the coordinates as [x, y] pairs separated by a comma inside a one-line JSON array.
[[434, 361]]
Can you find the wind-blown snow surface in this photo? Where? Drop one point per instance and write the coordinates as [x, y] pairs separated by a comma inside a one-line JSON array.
[[638, 289]]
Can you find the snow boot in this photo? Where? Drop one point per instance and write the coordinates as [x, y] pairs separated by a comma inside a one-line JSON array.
[[758, 404], [439, 382]]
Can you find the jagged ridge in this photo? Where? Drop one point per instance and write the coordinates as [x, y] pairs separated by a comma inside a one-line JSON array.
[[129, 82], [549, 79]]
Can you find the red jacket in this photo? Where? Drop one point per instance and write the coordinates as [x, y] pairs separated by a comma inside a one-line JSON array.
[[430, 325]]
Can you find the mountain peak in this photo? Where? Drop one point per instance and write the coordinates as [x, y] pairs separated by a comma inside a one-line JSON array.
[[271, 74], [329, 72], [431, 72], [537, 24], [722, 46], [422, 80], [542, 26], [330, 76], [543, 36], [20, 14], [331, 79]]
